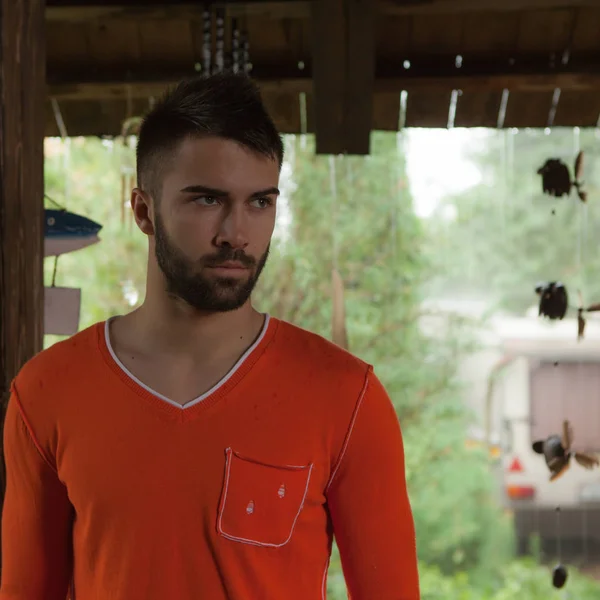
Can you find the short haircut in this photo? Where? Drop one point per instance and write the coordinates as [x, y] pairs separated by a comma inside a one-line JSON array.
[[223, 105]]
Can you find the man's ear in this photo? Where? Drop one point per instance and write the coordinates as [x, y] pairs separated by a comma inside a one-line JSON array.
[[143, 210]]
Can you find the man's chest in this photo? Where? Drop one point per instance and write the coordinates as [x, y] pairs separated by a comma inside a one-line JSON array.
[[253, 471]]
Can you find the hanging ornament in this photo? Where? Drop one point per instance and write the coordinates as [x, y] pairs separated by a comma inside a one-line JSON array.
[[245, 53], [557, 452], [578, 183], [206, 39], [219, 64], [216, 57], [554, 299], [559, 576], [556, 179], [235, 46], [581, 310], [559, 573], [554, 303]]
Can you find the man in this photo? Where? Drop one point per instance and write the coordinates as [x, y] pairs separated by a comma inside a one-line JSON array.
[[196, 448]]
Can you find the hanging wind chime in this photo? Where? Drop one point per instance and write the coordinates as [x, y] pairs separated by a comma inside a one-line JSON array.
[[556, 178], [581, 310], [557, 451], [557, 182], [215, 57], [554, 303], [554, 300]]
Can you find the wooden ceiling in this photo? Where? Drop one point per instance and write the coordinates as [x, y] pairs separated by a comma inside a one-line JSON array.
[[340, 68]]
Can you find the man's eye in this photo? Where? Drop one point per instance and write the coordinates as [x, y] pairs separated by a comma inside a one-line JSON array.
[[263, 202], [206, 200]]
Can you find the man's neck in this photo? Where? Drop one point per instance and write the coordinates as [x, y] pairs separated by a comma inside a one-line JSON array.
[[178, 330]]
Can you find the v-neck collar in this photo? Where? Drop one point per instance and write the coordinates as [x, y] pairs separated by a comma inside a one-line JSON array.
[[209, 398]]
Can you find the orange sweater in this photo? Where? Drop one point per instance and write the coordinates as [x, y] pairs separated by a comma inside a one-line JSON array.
[[124, 495]]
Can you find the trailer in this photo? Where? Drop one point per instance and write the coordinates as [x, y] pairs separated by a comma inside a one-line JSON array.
[[544, 377]]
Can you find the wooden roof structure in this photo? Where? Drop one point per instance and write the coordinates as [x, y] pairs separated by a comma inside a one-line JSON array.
[[340, 68]]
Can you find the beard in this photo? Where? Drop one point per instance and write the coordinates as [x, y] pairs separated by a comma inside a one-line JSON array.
[[185, 280]]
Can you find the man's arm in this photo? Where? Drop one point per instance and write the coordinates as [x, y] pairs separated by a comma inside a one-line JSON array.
[[36, 518], [369, 505]]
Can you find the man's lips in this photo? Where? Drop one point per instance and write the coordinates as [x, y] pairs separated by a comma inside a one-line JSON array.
[[229, 265]]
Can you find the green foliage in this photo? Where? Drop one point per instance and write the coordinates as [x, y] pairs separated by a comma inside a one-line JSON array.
[[85, 176], [524, 579]]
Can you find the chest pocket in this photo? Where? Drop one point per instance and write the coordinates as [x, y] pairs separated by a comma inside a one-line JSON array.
[[261, 503]]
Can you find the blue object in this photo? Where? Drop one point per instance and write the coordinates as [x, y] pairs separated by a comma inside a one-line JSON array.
[[62, 223], [66, 232]]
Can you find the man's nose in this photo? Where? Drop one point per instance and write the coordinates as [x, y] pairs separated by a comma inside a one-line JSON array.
[[233, 231]]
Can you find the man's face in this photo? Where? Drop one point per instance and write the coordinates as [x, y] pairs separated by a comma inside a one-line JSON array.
[[214, 222]]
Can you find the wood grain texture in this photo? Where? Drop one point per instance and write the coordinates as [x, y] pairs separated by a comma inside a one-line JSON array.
[[360, 75], [22, 96], [352, 58], [329, 74]]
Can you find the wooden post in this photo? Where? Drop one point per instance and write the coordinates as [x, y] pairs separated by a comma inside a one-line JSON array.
[[22, 99], [360, 76], [329, 74], [343, 68]]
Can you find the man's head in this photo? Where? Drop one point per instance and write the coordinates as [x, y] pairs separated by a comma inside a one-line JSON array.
[[208, 163]]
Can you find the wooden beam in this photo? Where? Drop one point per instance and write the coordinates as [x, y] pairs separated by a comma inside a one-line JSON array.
[[484, 83], [329, 57], [22, 73], [116, 90], [343, 72], [415, 7], [80, 11], [360, 76], [93, 10], [153, 73], [531, 74]]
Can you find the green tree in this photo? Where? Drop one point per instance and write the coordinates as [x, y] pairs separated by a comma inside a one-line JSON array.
[[86, 176]]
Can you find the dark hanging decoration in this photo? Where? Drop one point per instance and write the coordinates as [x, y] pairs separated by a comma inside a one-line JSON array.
[[554, 303], [554, 299], [559, 573], [245, 49], [219, 65], [559, 576], [235, 47], [557, 451], [216, 57], [206, 40], [556, 179], [581, 310]]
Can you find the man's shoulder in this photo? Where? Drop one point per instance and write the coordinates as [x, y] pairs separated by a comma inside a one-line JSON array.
[[58, 362], [318, 353]]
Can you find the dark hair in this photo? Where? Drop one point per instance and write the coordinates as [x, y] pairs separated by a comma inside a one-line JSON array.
[[223, 105]]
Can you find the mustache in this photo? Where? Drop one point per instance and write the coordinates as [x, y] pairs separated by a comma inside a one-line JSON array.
[[227, 255]]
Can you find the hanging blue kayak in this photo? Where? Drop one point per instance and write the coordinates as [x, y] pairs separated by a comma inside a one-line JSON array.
[[66, 232]]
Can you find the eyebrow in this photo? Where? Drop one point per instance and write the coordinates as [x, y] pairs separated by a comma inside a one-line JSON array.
[[202, 189]]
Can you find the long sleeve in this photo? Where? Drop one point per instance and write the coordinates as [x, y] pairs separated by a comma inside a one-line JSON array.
[[369, 504], [36, 519]]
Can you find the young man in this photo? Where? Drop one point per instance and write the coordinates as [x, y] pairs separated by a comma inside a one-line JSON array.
[[196, 448]]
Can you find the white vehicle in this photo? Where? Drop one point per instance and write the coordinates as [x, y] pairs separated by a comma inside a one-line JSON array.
[[528, 375], [545, 377]]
